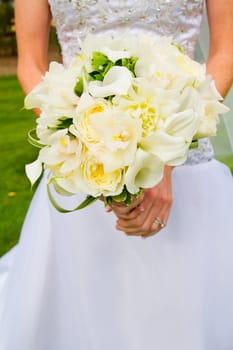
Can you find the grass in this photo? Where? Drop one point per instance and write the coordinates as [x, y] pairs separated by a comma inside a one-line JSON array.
[[15, 152], [228, 160]]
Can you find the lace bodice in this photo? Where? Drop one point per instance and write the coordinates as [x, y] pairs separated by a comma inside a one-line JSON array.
[[75, 18], [180, 19]]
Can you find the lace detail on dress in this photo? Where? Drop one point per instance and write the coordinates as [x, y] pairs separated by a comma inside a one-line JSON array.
[[203, 153], [177, 18], [180, 19]]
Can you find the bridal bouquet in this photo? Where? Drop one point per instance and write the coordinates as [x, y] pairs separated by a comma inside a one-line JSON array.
[[123, 109]]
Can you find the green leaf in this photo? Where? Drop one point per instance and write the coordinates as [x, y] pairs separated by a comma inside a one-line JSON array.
[[128, 63], [178, 47], [138, 194], [120, 197], [89, 200], [96, 75], [106, 67], [63, 123], [98, 60], [101, 65], [33, 139], [78, 89], [129, 199], [107, 200], [194, 144], [124, 197]]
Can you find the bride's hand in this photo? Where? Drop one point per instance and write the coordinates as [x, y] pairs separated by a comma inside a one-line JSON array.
[[149, 213]]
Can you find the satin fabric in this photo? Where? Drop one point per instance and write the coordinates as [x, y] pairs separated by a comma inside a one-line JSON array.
[[74, 282]]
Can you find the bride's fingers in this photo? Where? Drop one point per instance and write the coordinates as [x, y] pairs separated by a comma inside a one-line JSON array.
[[158, 216], [156, 204], [148, 223], [136, 223], [127, 212], [159, 222], [155, 229], [152, 233], [132, 214]]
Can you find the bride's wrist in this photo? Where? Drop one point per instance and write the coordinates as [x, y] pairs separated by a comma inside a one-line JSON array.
[[168, 169]]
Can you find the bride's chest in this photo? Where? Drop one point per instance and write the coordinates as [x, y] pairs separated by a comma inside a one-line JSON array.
[[94, 13]]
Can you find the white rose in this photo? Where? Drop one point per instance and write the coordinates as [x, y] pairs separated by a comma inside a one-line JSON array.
[[89, 110], [107, 132], [90, 178]]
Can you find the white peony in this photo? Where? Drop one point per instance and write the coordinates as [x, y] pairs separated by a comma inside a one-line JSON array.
[[108, 132], [212, 108], [55, 95], [62, 154]]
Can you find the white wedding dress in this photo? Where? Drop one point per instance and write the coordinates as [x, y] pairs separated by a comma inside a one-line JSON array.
[[75, 283]]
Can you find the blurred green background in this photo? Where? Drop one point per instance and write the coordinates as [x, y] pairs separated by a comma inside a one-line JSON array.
[[15, 122], [15, 152]]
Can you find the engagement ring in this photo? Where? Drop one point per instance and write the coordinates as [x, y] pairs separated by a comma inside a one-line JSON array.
[[160, 222]]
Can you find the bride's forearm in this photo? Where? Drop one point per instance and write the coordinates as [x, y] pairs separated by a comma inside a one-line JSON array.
[[220, 58], [32, 20], [29, 76], [220, 67]]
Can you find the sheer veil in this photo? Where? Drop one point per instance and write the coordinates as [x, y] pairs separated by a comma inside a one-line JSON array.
[[223, 142]]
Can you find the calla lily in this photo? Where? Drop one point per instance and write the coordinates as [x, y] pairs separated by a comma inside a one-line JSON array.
[[146, 172], [34, 170], [172, 150], [116, 82], [85, 102], [172, 143], [35, 98], [115, 55], [182, 124]]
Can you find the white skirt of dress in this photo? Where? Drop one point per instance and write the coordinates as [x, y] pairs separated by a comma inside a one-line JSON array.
[[75, 283]]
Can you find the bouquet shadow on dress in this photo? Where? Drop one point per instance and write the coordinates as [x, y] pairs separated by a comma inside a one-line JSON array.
[[124, 109]]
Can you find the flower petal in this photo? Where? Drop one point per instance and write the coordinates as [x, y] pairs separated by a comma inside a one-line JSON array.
[[172, 150], [182, 124], [33, 171], [146, 172], [116, 82], [115, 55]]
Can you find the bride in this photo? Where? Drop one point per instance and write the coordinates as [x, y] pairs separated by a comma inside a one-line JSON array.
[[86, 280]]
